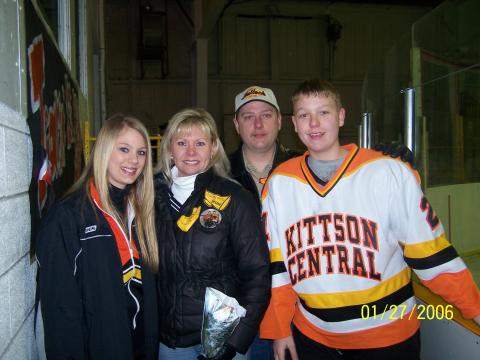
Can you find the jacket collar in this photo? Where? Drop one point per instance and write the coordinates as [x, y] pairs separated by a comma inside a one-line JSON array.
[[237, 161], [200, 182], [283, 154], [238, 164], [203, 180], [126, 246]]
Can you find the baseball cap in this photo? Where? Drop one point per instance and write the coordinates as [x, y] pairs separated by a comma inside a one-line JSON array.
[[256, 93]]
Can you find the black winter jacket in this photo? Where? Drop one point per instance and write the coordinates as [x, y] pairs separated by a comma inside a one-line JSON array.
[[80, 287], [240, 173], [230, 255]]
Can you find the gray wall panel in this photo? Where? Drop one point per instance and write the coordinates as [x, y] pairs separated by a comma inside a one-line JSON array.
[[9, 55]]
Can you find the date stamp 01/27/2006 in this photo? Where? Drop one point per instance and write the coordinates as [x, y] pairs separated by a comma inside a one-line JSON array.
[[398, 312]]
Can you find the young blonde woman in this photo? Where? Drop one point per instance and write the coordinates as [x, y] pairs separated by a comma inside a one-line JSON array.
[[211, 237], [97, 253]]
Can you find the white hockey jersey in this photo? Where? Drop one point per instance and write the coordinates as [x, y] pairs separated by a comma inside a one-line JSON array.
[[341, 254]]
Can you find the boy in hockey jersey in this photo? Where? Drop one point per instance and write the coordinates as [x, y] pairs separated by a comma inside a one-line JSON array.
[[345, 228]]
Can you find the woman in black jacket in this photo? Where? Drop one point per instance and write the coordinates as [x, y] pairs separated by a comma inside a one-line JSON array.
[[210, 237], [97, 254]]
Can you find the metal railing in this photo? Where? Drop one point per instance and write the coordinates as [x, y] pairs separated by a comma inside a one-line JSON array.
[[88, 140]]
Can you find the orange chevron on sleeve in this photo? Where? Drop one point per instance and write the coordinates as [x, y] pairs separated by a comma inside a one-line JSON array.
[[279, 314], [458, 289], [364, 156], [291, 168]]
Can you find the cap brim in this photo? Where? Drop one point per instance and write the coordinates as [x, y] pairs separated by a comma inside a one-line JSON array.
[[252, 100]]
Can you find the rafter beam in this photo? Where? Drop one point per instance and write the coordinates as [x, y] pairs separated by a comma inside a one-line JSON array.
[[207, 13]]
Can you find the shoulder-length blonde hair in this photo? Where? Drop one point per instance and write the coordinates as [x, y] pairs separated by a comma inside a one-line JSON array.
[[182, 122], [142, 193]]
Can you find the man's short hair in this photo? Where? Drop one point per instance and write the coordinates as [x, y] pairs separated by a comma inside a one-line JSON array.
[[255, 93], [316, 87]]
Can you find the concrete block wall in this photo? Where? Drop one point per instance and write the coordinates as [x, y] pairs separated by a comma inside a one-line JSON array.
[[17, 272]]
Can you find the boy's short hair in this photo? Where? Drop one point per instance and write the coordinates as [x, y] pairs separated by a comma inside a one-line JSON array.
[[316, 87]]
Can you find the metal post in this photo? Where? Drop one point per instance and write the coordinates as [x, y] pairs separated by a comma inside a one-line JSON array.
[[360, 136], [409, 126], [366, 130]]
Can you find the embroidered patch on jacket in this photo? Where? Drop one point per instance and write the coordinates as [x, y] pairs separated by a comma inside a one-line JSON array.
[[216, 201], [132, 272], [210, 218], [186, 222], [90, 229]]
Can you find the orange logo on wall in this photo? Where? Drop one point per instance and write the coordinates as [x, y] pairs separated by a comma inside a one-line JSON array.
[[59, 123]]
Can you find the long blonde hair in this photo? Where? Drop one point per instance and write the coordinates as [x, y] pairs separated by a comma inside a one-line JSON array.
[[142, 193], [183, 121]]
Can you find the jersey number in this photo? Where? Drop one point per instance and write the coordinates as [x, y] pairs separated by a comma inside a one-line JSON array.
[[264, 222], [432, 218]]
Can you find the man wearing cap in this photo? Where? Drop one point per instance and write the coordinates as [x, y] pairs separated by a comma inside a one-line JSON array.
[[257, 121]]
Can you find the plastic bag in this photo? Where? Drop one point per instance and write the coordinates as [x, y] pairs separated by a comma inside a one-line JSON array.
[[221, 314]]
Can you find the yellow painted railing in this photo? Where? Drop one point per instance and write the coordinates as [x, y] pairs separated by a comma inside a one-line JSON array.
[[155, 143], [88, 140]]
